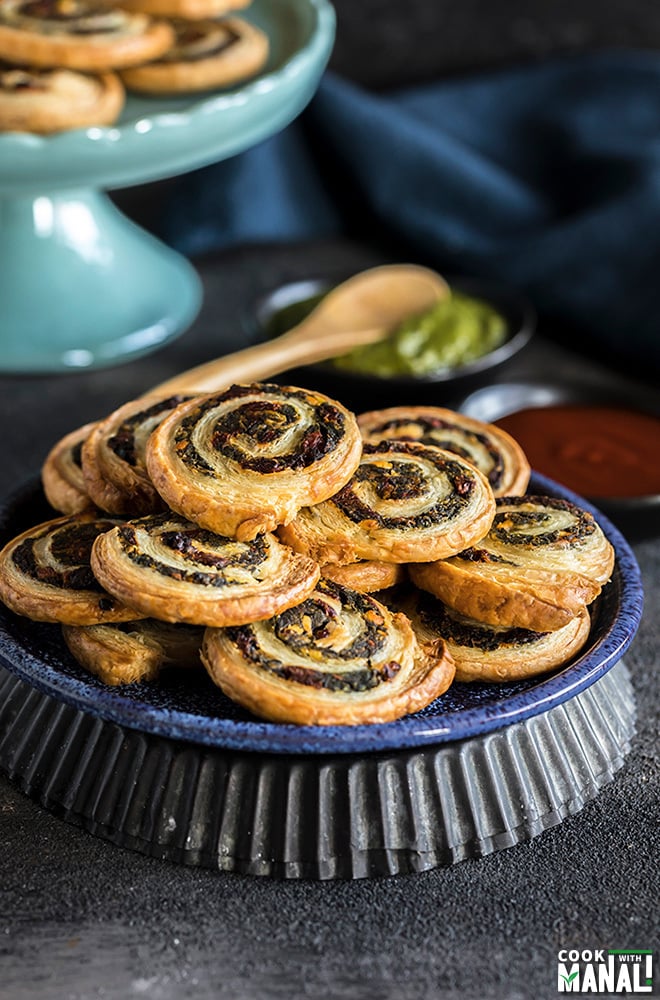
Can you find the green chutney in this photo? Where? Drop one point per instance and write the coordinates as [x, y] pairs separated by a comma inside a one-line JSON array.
[[455, 331]]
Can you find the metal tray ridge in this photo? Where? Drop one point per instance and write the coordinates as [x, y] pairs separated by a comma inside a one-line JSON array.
[[315, 816]]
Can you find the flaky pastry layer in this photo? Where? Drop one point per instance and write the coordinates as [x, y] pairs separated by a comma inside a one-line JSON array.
[[45, 574], [541, 563], [495, 653], [406, 502], [338, 658], [491, 450], [52, 100], [368, 575], [207, 54], [172, 569], [113, 457], [76, 34], [246, 460], [134, 652], [62, 475]]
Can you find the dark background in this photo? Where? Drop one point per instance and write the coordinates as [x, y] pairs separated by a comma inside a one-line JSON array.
[[389, 43], [382, 43]]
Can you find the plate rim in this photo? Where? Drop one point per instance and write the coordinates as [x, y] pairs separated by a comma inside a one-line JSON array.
[[409, 732]]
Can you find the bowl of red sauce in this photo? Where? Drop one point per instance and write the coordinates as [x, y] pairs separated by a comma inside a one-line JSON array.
[[601, 441]]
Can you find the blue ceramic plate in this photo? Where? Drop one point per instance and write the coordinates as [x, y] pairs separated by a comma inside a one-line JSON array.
[[191, 708]]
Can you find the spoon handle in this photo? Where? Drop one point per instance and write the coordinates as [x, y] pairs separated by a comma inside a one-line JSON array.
[[362, 310], [300, 346]]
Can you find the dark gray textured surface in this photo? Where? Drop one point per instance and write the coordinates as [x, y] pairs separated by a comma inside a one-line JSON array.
[[82, 919]]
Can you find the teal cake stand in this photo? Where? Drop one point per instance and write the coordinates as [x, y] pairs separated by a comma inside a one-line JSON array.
[[81, 286]]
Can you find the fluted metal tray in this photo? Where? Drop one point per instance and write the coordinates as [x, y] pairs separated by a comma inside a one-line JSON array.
[[339, 816], [175, 770]]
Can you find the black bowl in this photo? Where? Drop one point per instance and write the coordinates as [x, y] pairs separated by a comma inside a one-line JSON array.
[[276, 312], [638, 516]]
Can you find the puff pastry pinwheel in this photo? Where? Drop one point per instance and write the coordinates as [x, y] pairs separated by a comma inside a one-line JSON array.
[[338, 658], [207, 53], [491, 450], [45, 574], [62, 475], [172, 569], [113, 461], [405, 503], [79, 34], [52, 100], [367, 575], [494, 653], [245, 460], [136, 651], [189, 9], [541, 563]]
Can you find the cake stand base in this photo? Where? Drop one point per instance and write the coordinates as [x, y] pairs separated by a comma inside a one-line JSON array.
[[81, 286], [315, 816]]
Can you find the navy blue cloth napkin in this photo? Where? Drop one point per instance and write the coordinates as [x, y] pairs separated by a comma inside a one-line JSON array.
[[546, 176]]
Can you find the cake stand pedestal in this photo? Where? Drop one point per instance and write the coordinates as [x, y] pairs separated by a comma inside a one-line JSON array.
[[81, 286]]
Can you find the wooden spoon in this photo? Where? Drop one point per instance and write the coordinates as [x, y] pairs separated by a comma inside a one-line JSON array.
[[362, 310]]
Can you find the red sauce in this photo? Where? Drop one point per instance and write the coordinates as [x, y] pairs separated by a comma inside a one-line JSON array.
[[597, 451]]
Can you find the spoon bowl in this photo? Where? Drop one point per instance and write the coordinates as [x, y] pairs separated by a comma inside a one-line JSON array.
[[269, 316], [361, 310]]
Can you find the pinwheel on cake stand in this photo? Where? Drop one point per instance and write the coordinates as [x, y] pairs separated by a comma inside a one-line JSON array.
[[81, 286]]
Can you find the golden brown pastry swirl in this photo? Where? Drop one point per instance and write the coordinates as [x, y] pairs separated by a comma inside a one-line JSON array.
[[491, 450], [207, 53], [45, 573], [543, 560], [494, 653], [174, 570], [247, 459], [339, 657], [197, 40], [113, 457], [79, 34], [406, 502], [62, 475], [552, 533], [46, 100], [72, 16]]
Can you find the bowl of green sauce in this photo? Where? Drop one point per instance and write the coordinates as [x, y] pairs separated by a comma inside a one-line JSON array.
[[434, 357]]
